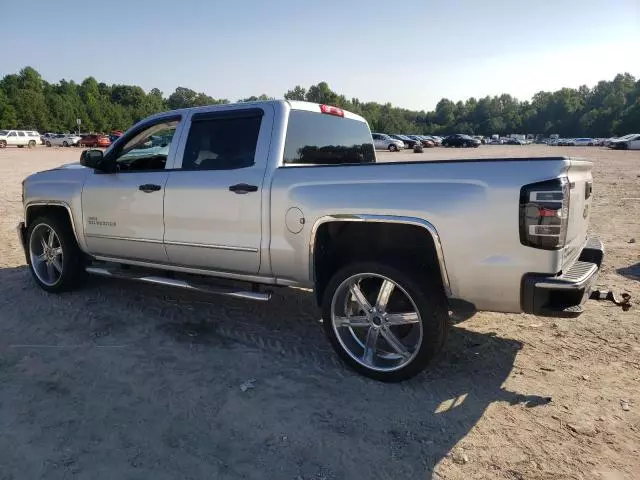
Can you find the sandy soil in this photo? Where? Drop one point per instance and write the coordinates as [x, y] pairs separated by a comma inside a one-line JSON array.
[[122, 380]]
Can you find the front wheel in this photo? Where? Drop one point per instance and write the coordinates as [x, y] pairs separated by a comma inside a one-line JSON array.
[[393, 148], [55, 260], [65, 144], [386, 323], [32, 143], [3, 144], [48, 144]]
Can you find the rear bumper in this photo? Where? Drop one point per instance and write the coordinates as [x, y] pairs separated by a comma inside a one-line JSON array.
[[563, 295]]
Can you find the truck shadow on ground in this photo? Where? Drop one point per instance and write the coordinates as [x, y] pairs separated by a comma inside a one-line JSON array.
[[151, 379], [632, 271]]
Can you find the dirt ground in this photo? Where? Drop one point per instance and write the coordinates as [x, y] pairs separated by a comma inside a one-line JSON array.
[[127, 381]]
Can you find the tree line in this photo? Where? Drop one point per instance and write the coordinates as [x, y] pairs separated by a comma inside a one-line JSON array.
[[609, 108]]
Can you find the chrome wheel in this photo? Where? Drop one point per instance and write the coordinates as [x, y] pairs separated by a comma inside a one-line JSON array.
[[45, 252], [376, 322]]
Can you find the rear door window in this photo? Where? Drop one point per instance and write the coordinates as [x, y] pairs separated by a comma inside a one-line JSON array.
[[320, 139], [222, 141]]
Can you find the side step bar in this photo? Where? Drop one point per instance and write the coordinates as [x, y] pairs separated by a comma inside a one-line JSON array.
[[170, 282]]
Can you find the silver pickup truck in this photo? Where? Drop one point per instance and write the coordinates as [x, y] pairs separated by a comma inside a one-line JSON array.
[[289, 194]]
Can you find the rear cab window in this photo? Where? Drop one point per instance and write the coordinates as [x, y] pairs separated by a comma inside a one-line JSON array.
[[323, 139]]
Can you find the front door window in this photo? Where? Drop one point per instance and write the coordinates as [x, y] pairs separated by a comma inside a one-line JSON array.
[[147, 150]]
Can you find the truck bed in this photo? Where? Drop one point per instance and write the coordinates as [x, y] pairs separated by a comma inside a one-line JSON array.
[[473, 203]]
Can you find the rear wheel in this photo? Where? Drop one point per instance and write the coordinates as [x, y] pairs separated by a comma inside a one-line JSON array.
[[65, 144], [55, 260], [48, 143], [386, 323], [3, 144]]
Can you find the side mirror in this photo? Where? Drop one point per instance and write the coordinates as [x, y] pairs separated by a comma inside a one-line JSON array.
[[92, 159]]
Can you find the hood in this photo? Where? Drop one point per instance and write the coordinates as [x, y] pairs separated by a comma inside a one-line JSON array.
[[69, 165]]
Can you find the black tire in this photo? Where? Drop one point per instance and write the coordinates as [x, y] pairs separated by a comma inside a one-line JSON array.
[[3, 144], [428, 296], [48, 143], [393, 148], [65, 144], [32, 143], [72, 259]]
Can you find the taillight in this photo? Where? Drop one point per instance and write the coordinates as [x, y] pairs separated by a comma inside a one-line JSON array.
[[544, 214], [329, 110]]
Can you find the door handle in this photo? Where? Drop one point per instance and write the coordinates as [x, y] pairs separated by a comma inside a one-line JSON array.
[[242, 188], [149, 187]]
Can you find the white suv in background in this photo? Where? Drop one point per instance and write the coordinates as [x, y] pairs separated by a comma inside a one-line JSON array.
[[382, 141], [19, 138]]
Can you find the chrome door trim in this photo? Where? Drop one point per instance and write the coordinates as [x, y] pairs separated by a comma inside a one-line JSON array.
[[381, 219], [212, 246], [128, 239], [180, 244], [57, 203]]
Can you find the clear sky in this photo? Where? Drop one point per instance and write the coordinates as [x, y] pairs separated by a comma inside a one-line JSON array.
[[408, 52]]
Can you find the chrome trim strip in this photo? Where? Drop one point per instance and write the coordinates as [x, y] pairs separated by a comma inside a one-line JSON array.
[[170, 282], [215, 247], [195, 271], [56, 203], [180, 244], [381, 219], [129, 239]]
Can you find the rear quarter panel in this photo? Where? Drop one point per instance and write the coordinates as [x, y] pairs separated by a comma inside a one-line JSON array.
[[474, 206]]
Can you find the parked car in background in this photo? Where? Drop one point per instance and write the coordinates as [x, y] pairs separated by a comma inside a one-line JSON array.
[[426, 141], [46, 136], [94, 141], [435, 139], [19, 138], [460, 140], [382, 141], [628, 142], [113, 136], [423, 140], [63, 140], [408, 142], [584, 142], [516, 141], [570, 142]]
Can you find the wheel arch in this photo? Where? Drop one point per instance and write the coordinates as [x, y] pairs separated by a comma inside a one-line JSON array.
[[35, 209], [416, 227]]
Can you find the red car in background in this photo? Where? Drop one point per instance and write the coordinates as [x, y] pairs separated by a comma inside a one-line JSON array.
[[101, 141]]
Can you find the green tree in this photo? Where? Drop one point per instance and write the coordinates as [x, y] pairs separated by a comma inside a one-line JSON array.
[[297, 93]]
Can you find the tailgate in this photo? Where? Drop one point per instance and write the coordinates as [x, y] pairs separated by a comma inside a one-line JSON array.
[[581, 183]]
